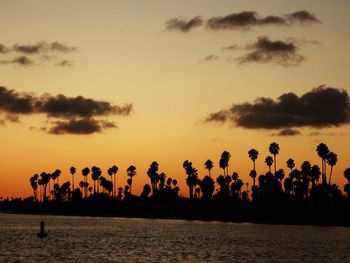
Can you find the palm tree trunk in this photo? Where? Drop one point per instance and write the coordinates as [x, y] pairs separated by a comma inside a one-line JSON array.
[[274, 161], [114, 185], [330, 175], [72, 182]]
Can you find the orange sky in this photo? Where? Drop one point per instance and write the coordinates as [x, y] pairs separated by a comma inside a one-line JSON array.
[[124, 54]]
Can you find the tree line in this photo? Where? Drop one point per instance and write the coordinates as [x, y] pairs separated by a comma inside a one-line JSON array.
[[304, 183]]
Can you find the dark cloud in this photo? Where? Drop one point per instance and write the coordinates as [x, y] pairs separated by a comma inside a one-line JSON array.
[[61, 106], [248, 19], [43, 47], [21, 60], [303, 17], [81, 126], [287, 132], [183, 25], [321, 107], [72, 111], [264, 50]]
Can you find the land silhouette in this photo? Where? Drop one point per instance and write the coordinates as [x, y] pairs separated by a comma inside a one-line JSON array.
[[297, 196]]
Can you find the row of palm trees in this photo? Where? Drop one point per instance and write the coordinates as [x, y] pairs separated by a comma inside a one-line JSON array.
[[297, 183]]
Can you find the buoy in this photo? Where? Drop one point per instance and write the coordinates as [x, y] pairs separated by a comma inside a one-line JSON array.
[[42, 233]]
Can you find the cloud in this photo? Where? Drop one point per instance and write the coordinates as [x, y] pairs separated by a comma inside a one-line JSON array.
[[43, 47], [64, 63], [264, 50], [319, 108], [81, 126], [27, 53], [72, 112], [183, 25], [21, 60], [287, 132], [210, 58], [303, 17], [247, 19]]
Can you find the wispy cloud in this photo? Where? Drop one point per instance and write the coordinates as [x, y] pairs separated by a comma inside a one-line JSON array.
[[279, 52], [27, 54], [182, 25]]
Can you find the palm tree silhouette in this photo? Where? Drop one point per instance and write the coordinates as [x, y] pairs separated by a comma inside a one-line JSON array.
[[224, 161], [192, 176], [322, 151], [34, 183], [207, 187], [113, 171], [131, 172], [274, 150], [152, 173], [85, 172], [332, 159], [290, 164], [269, 162], [209, 165], [253, 155], [95, 174], [72, 170], [252, 174]]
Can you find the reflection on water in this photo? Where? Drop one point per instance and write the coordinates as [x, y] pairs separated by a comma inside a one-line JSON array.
[[86, 239]]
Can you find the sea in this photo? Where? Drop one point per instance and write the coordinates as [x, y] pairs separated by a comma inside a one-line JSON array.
[[97, 239]]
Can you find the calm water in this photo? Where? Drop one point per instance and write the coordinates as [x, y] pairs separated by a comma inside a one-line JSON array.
[[86, 239]]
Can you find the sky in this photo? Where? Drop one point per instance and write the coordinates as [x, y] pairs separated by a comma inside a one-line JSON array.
[[107, 83]]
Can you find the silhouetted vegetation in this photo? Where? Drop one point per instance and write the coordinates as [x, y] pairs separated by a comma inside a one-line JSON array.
[[304, 195]]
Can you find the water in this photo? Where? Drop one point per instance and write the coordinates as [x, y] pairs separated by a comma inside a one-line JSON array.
[[87, 239]]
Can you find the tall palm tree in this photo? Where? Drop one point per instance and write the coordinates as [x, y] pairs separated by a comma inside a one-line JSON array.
[[85, 172], [34, 183], [290, 164], [192, 176], [252, 174], [209, 165], [114, 170], [152, 173], [322, 151], [95, 174], [269, 162], [131, 172], [253, 155], [72, 170], [274, 150], [224, 161], [332, 160]]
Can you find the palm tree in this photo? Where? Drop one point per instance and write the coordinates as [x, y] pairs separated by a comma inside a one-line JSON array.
[[209, 165], [192, 176], [34, 183], [72, 170], [252, 174], [131, 172], [152, 173], [332, 159], [322, 151], [207, 187], [290, 164], [347, 174], [274, 150], [95, 174], [224, 161], [253, 155], [85, 172], [114, 171], [315, 174], [269, 162]]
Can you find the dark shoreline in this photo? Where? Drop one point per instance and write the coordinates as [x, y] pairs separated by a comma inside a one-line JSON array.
[[186, 210]]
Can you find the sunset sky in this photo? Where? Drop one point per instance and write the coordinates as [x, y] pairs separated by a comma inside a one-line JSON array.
[[100, 83]]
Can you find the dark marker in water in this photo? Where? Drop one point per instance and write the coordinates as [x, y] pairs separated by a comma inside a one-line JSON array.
[[42, 233]]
